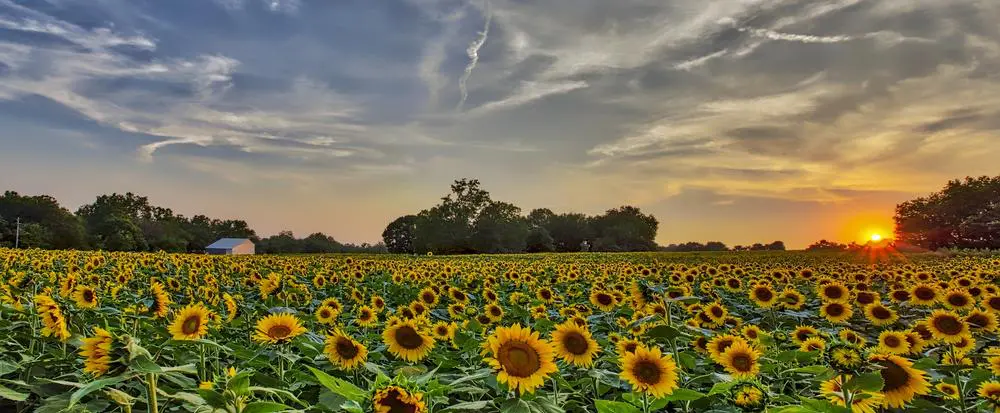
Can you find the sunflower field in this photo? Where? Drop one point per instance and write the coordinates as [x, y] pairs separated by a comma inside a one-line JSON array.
[[608, 333]]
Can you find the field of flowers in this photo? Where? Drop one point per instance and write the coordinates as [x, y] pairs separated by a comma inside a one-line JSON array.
[[623, 333]]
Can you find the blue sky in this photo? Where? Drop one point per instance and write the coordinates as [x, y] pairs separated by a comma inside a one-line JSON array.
[[732, 120]]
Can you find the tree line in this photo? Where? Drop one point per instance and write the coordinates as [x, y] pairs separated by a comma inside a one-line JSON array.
[[469, 221], [128, 222], [964, 214], [720, 246]]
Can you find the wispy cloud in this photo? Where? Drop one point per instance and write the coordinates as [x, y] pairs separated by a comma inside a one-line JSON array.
[[473, 53]]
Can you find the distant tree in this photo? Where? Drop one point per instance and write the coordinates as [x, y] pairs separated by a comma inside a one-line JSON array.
[[60, 229], [320, 243], [775, 246], [447, 227], [539, 240], [625, 229], [716, 246], [824, 245], [568, 231], [962, 215], [499, 228], [541, 217], [398, 235]]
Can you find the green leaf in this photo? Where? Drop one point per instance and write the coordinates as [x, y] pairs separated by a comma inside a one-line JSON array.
[[8, 367], [816, 369], [665, 332], [477, 406], [865, 382], [240, 383], [265, 407], [687, 360], [925, 363], [684, 395], [474, 376], [341, 387], [144, 364], [608, 406], [352, 406], [213, 398], [515, 406], [10, 394], [722, 387], [94, 386]]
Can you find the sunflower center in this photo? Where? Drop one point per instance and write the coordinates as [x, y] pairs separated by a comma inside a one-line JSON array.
[[647, 372], [763, 294], [279, 331], [717, 312], [723, 345], [900, 295], [865, 299], [957, 300], [191, 325], [834, 310], [495, 311], [346, 349], [892, 341], [881, 313], [88, 296], [833, 292], [519, 359], [396, 404], [409, 338], [924, 293], [978, 320], [604, 299], [742, 362], [947, 324], [994, 303], [575, 343], [894, 375]]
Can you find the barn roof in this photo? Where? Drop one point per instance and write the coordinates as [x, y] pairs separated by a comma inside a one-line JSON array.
[[227, 243]]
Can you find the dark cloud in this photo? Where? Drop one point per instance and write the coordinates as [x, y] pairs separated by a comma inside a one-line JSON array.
[[955, 119]]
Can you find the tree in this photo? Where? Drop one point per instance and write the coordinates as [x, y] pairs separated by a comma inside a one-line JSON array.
[[776, 246], [539, 240], [398, 235], [824, 245], [569, 231], [625, 229], [959, 216], [499, 228], [59, 228]]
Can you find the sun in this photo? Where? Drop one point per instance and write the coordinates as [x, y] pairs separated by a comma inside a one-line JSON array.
[[876, 237]]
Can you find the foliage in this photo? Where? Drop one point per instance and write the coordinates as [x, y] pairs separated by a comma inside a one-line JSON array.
[[965, 214]]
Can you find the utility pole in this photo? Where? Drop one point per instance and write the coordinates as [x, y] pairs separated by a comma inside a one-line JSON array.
[[17, 234]]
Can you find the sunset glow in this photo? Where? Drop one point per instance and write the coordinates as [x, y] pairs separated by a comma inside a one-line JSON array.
[[876, 237]]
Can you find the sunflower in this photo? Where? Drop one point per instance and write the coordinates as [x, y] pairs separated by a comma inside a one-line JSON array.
[[493, 312], [366, 316], [852, 337], [720, 343], [844, 357], [408, 341], [53, 321], [395, 399], [833, 292], [343, 351], [947, 326], [980, 320], [994, 362], [836, 312], [602, 300], [278, 328], [326, 315], [428, 297], [880, 315], [96, 351], [748, 396], [190, 323], [990, 391], [763, 295], [948, 390], [924, 294], [958, 300], [832, 390], [902, 381], [752, 332], [649, 371], [231, 308], [893, 342], [803, 333], [629, 345], [456, 311], [813, 344], [991, 302], [85, 297], [521, 359], [161, 300], [574, 344], [716, 312], [444, 330], [740, 360]]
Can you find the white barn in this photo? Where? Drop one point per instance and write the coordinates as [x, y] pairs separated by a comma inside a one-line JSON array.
[[231, 246]]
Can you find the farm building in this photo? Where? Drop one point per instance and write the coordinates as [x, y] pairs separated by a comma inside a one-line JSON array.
[[231, 246]]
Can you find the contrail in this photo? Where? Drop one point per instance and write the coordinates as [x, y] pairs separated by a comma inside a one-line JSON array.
[[473, 52], [801, 38]]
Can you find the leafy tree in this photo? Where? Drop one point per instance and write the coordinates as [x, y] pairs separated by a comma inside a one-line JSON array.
[[776, 246], [499, 228], [960, 216], [539, 240], [824, 245], [569, 231], [398, 235], [625, 229], [60, 229]]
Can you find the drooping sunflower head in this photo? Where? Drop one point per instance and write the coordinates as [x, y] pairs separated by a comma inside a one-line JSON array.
[[343, 351], [748, 396], [278, 328], [393, 399], [96, 351], [574, 344], [407, 340], [844, 358], [649, 371], [902, 381], [521, 359]]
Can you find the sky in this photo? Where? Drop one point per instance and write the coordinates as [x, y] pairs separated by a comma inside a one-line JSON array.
[[733, 120]]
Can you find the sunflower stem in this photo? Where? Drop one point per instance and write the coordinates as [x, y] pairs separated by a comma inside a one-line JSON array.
[[848, 402], [203, 372], [645, 402], [151, 393], [555, 389]]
